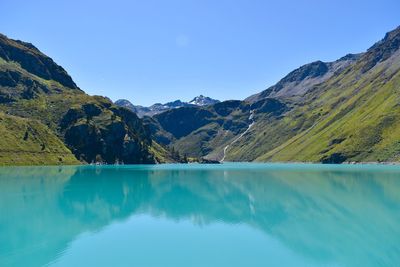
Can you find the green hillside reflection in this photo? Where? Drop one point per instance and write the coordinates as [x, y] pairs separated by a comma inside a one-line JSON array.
[[344, 216]]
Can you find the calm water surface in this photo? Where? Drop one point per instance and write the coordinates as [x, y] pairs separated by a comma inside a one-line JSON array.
[[200, 215]]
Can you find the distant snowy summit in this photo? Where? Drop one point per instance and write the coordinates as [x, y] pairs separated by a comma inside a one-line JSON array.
[[157, 108], [203, 101]]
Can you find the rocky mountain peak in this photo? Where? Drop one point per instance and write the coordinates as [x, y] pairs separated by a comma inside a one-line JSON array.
[[202, 100], [382, 50], [34, 61], [302, 79], [159, 107], [314, 69], [351, 57], [124, 103]]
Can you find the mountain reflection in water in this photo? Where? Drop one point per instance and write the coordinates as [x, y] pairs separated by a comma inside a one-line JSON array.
[[329, 215]]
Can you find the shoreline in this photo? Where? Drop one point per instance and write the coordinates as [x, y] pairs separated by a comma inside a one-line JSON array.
[[372, 163]]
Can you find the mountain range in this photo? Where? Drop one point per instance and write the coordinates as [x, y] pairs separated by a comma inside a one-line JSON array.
[[342, 111], [159, 108], [330, 112]]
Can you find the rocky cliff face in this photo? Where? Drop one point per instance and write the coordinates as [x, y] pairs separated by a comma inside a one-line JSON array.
[[101, 132]]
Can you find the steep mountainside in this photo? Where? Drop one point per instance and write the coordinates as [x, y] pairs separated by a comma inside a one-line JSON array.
[[336, 112], [159, 108], [299, 81], [353, 116], [32, 86]]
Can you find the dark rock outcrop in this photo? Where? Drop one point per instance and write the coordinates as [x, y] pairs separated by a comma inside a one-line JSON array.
[[335, 158], [94, 133]]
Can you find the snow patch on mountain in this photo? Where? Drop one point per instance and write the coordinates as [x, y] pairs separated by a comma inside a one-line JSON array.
[[157, 108]]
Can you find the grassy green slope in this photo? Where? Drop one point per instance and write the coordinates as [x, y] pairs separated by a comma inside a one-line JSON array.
[[29, 141], [161, 154], [361, 121], [354, 116]]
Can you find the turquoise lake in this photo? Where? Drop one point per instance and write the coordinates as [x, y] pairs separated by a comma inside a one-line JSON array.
[[200, 215]]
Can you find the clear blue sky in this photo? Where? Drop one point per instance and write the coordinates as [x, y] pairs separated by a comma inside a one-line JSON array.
[[156, 51]]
